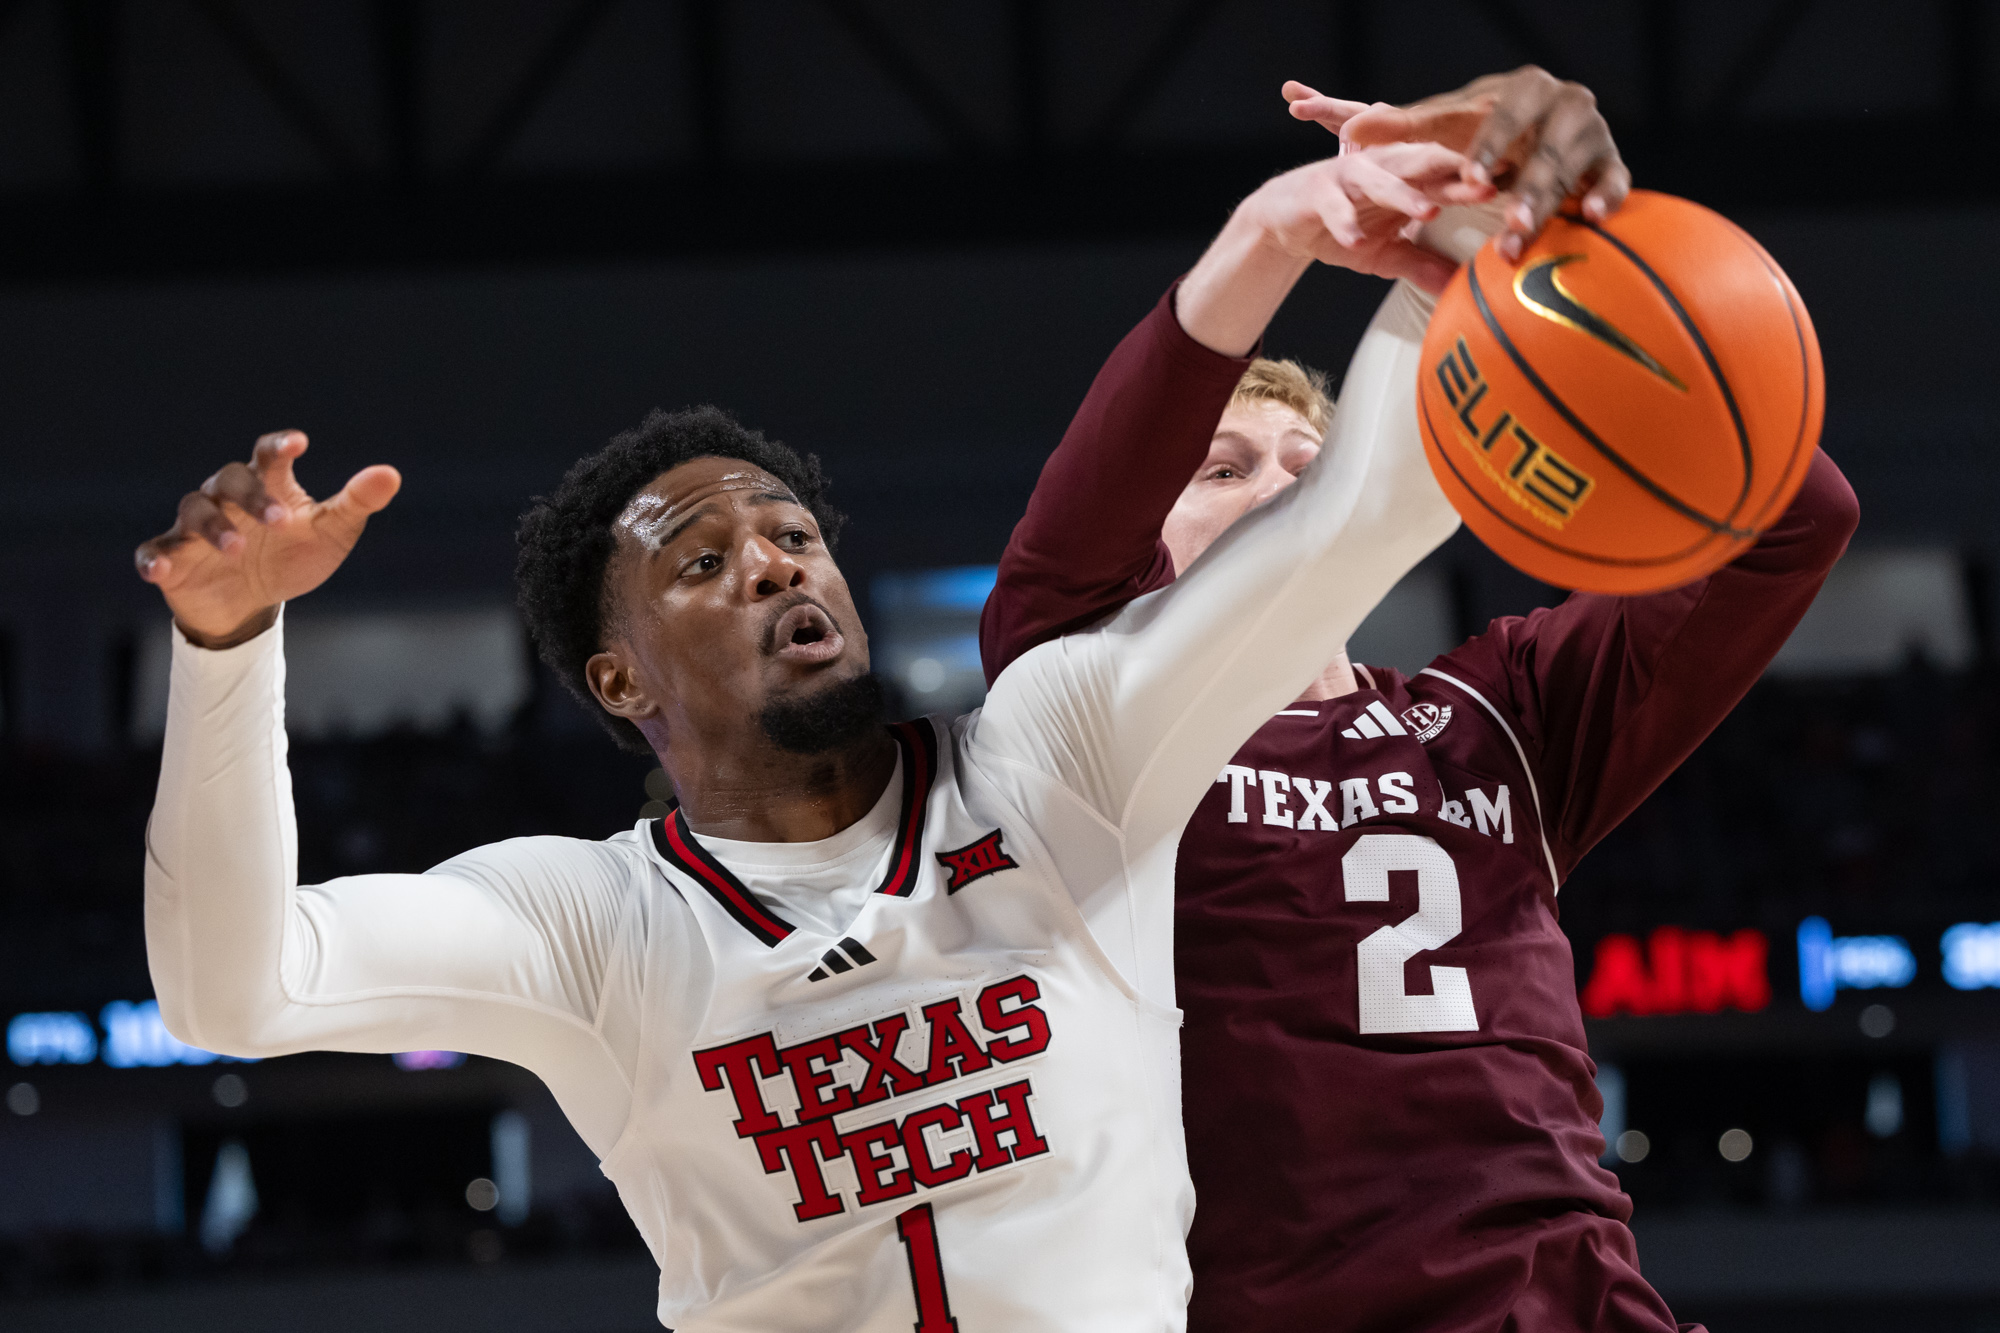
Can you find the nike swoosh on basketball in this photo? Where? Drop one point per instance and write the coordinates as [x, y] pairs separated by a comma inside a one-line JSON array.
[[1540, 288]]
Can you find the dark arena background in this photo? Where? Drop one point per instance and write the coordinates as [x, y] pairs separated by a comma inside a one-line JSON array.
[[475, 238]]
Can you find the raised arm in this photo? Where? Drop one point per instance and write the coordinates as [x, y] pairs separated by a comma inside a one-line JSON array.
[[501, 952], [1137, 715], [1090, 540], [1613, 693]]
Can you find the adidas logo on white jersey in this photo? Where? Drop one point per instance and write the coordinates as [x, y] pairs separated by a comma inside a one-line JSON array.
[[833, 962]]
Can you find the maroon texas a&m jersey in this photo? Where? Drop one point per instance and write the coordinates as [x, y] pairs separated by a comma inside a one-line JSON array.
[[1390, 1107]]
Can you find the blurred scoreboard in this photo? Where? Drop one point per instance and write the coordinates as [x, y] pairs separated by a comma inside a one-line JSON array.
[[1675, 970]]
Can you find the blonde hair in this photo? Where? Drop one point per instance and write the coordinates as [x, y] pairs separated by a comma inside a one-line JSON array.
[[1290, 384]]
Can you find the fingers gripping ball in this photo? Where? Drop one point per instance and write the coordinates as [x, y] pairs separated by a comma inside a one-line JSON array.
[[1629, 406]]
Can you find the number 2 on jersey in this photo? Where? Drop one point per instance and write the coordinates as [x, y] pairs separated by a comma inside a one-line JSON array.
[[919, 1232], [1385, 1005]]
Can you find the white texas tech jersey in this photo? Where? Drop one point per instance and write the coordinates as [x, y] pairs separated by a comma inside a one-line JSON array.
[[960, 1108], [955, 1115]]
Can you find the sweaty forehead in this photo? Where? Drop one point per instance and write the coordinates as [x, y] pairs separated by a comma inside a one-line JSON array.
[[666, 502]]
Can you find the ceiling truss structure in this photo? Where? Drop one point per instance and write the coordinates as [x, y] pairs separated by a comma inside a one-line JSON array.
[[395, 198]]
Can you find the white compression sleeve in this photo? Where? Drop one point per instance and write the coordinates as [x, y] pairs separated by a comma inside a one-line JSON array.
[[1137, 715], [499, 952]]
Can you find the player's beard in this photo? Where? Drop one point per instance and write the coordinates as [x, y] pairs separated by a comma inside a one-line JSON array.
[[826, 719]]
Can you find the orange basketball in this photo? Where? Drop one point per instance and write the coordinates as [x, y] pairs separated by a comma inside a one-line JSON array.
[[1629, 406]]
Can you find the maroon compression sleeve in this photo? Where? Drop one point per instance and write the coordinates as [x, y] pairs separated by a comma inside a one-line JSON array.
[[1090, 541], [1612, 693]]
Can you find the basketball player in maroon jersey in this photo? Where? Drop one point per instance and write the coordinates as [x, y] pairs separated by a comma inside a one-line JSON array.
[[1390, 1107]]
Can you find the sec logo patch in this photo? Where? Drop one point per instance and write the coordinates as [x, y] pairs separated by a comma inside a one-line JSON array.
[[1427, 720]]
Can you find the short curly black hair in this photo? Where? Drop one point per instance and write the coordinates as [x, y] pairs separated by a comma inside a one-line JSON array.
[[565, 539]]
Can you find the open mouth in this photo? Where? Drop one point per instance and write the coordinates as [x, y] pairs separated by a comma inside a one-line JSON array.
[[805, 634]]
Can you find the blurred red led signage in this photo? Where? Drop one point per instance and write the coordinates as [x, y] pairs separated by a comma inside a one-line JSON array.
[[1678, 972]]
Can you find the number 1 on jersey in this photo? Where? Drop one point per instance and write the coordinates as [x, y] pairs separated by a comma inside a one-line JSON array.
[[918, 1230]]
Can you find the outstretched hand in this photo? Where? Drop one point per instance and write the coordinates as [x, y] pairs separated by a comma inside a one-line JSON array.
[[1539, 137], [1360, 210], [250, 539]]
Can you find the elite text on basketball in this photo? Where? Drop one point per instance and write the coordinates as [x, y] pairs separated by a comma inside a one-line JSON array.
[[1537, 478]]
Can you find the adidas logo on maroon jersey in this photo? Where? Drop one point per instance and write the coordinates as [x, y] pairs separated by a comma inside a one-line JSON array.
[[1374, 728], [1427, 720]]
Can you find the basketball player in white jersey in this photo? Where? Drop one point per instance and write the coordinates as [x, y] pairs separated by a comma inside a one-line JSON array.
[[876, 1030]]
